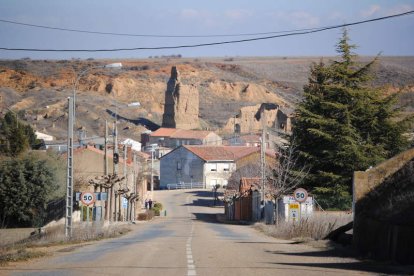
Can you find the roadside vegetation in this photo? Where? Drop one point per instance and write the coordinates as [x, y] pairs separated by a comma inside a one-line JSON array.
[[315, 227], [345, 124], [52, 239], [28, 179]]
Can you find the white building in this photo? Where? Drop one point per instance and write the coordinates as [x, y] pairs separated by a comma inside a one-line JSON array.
[[135, 145], [43, 136], [206, 165]]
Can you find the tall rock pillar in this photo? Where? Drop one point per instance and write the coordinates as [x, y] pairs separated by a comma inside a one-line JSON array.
[[181, 104]]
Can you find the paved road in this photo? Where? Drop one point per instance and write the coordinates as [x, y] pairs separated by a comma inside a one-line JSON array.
[[189, 242]]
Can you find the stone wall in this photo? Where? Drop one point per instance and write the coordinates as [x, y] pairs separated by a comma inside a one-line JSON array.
[[384, 216], [181, 104]]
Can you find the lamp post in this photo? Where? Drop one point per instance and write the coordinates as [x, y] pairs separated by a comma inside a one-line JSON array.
[[71, 123], [153, 147]]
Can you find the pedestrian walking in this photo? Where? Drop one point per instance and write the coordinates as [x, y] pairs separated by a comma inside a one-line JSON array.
[[150, 203], [146, 203]]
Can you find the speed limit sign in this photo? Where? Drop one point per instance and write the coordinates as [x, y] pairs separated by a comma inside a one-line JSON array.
[[87, 198], [300, 195]]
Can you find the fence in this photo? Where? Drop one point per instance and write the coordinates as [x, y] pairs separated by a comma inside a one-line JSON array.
[[246, 208], [55, 210], [182, 185]]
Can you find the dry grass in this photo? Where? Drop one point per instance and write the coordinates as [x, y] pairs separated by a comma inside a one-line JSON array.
[[315, 227], [81, 232], [43, 244]]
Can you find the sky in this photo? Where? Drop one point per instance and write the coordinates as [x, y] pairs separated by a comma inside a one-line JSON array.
[[392, 37]]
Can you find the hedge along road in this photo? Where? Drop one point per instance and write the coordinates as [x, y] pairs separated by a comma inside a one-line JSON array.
[[190, 242]]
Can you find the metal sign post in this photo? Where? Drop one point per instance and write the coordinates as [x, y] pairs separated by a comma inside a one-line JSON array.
[[300, 196]]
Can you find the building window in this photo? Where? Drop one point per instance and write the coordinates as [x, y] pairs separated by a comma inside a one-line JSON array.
[[178, 165], [226, 167], [213, 167]]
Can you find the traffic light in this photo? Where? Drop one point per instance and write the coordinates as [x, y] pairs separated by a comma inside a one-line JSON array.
[[116, 158]]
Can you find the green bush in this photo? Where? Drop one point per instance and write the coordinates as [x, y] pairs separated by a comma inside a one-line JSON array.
[[157, 208], [158, 205], [156, 211]]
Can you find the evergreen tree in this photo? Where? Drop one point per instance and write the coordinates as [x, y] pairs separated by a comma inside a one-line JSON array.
[[25, 187], [15, 137], [343, 125]]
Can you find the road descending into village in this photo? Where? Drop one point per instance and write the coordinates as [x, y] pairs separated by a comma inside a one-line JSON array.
[[188, 241]]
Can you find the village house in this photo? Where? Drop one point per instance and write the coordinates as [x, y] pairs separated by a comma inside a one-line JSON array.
[[89, 164], [204, 166], [173, 138]]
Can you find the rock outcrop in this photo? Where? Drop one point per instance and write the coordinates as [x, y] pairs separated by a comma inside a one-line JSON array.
[[181, 104], [254, 118]]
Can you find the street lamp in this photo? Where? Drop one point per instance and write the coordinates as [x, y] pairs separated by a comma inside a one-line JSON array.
[[153, 147], [71, 122]]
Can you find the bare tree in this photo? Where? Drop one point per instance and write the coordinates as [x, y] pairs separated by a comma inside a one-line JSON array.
[[286, 176], [250, 170]]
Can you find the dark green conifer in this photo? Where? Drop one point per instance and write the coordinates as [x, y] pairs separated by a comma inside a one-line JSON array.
[[344, 124]]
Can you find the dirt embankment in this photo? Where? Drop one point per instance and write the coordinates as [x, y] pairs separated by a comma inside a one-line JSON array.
[[225, 85]]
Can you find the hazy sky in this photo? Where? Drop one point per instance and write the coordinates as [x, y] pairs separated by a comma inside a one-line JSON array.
[[211, 17]]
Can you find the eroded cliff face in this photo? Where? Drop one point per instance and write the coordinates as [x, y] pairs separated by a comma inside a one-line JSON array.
[[252, 119], [181, 109], [209, 92]]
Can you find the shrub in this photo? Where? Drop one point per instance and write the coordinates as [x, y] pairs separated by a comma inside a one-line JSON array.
[[316, 227], [158, 205], [157, 208], [148, 215]]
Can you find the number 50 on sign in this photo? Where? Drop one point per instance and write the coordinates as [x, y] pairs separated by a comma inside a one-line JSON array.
[[87, 198], [300, 195]]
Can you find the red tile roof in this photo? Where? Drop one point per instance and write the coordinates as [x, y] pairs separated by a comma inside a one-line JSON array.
[[221, 153], [180, 133], [163, 132]]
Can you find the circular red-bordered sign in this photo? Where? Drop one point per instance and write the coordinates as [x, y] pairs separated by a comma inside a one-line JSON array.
[[300, 195], [87, 198]]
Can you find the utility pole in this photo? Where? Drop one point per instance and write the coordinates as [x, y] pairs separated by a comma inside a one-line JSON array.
[[106, 149], [108, 199], [115, 163], [263, 162], [125, 174], [152, 169], [69, 179], [134, 162]]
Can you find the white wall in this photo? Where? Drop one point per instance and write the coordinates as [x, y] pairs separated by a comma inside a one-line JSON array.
[[218, 173]]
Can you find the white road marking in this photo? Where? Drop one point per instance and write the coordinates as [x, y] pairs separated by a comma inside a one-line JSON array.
[[191, 269]]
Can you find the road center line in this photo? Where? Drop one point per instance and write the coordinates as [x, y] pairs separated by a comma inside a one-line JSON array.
[[191, 269]]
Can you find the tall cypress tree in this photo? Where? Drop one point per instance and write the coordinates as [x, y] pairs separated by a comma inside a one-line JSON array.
[[344, 124]]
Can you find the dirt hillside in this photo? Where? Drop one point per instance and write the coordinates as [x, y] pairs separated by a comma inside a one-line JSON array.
[[38, 89]]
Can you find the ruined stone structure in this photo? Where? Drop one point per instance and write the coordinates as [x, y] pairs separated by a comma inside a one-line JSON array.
[[253, 118], [383, 212], [181, 104]]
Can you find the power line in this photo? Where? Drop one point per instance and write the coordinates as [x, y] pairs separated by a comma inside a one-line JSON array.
[[147, 35], [213, 43]]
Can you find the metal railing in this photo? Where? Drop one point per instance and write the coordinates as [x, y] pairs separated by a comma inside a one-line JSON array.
[[182, 185]]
